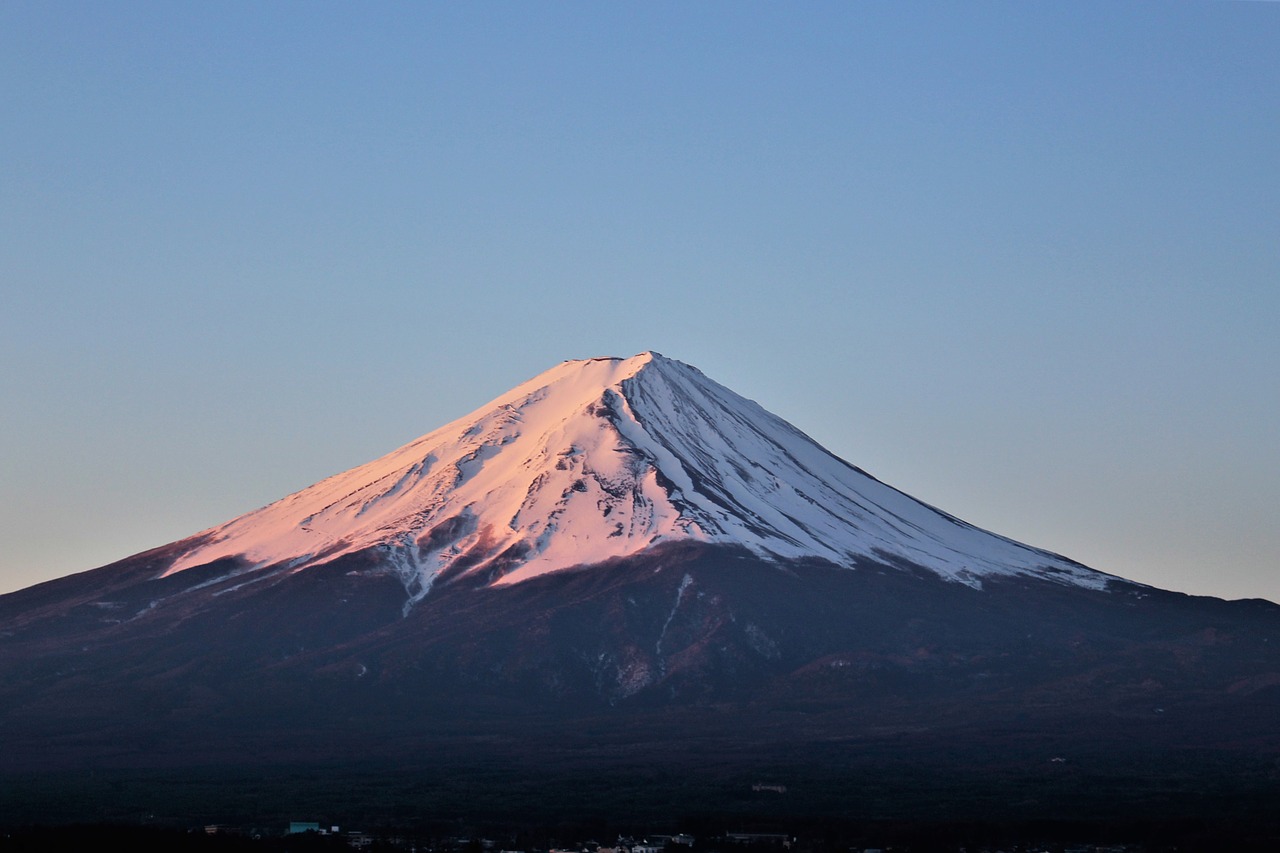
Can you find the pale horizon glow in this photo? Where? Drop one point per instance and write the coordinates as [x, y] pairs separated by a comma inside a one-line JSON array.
[[1018, 261]]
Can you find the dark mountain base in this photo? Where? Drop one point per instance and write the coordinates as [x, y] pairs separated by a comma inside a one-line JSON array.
[[665, 687]]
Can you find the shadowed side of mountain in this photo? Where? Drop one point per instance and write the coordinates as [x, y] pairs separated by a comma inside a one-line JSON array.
[[323, 665]]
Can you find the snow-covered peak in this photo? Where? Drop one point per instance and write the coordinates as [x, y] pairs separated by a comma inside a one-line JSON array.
[[603, 458]]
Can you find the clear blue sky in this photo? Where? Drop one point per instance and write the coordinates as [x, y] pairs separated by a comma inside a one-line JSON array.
[[1021, 260]]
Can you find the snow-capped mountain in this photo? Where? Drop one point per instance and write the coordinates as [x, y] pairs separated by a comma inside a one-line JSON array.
[[744, 600], [604, 458]]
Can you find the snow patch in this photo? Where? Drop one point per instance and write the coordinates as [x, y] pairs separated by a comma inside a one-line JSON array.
[[685, 583]]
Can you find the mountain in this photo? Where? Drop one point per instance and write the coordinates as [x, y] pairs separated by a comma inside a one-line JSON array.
[[601, 459], [623, 570]]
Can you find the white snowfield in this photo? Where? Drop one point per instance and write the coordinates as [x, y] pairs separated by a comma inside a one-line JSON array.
[[604, 458]]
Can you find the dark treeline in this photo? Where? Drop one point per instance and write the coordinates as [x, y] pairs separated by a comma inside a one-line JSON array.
[[1190, 836]]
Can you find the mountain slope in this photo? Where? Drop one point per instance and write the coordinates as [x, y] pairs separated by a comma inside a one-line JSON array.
[[604, 458], [875, 692]]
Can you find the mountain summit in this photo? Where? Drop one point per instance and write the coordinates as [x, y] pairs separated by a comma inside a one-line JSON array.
[[600, 459]]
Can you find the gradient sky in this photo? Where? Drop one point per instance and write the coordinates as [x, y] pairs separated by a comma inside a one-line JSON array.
[[1020, 260]]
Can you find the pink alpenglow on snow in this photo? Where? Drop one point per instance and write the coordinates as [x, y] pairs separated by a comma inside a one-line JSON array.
[[604, 458]]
